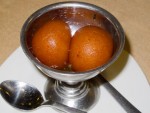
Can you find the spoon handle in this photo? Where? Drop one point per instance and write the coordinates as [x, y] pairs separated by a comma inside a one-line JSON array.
[[128, 107], [62, 107]]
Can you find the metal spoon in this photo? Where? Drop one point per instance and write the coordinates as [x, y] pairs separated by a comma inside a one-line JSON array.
[[24, 96], [128, 107]]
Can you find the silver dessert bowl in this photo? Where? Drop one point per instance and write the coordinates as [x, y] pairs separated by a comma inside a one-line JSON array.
[[67, 87], [77, 15]]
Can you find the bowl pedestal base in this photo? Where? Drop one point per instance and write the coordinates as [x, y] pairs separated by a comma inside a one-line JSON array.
[[82, 95]]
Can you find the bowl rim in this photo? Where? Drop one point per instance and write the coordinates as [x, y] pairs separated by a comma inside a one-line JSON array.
[[89, 6]]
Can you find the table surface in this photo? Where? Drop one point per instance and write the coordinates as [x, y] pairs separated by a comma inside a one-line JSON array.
[[132, 14]]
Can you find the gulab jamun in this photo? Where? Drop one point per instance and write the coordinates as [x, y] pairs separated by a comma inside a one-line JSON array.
[[91, 47], [50, 44]]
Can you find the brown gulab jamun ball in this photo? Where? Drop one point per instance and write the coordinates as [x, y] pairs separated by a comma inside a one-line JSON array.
[[91, 47], [51, 43]]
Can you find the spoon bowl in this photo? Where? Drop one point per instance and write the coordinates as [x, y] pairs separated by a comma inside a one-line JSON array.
[[21, 95], [26, 97]]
